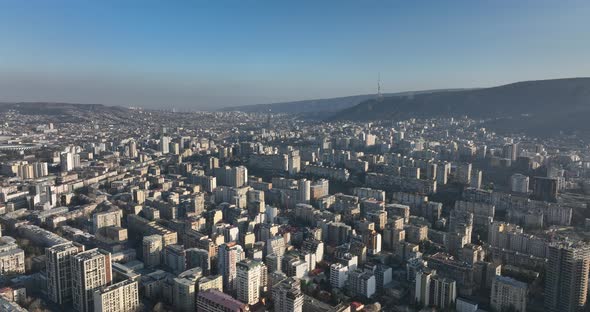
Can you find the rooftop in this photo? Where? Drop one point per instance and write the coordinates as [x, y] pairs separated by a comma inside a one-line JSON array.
[[222, 299]]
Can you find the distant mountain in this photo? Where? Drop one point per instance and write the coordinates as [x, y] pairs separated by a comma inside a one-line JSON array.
[[68, 112], [49, 108], [330, 105], [520, 106]]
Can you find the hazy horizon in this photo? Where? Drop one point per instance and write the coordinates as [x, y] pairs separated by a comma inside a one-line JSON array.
[[208, 55]]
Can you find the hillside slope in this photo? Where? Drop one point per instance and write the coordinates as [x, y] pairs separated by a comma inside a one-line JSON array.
[[331, 105], [558, 104]]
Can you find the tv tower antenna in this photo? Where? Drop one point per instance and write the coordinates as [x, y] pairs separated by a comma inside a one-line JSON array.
[[379, 95]]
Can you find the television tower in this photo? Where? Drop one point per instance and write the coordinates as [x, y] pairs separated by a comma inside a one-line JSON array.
[[379, 95]]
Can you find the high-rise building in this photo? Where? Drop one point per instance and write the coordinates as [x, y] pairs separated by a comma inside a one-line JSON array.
[[442, 173], [423, 280], [213, 163], [232, 176], [67, 162], [40, 169], [239, 176], [250, 280], [59, 271], [304, 188], [273, 263], [508, 293], [119, 297], [212, 300], [519, 183], [91, 270], [175, 258], [545, 188], [338, 275], [510, 151], [338, 233], [228, 256], [362, 283], [476, 179], [133, 149], [434, 290], [566, 280], [287, 296], [276, 245], [463, 173], [294, 162], [444, 292], [174, 148], [165, 144], [196, 257], [152, 250], [185, 289]]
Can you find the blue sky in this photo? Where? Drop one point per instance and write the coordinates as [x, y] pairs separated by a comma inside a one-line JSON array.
[[203, 54]]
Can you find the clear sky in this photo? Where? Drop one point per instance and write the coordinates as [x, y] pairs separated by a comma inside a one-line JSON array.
[[204, 54]]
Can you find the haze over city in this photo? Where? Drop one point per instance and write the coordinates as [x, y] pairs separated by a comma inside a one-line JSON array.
[[206, 55]]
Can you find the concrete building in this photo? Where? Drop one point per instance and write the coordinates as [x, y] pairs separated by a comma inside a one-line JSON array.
[[185, 289], [287, 296], [463, 173], [175, 258], [362, 283], [232, 176], [250, 280], [545, 189], [67, 162], [164, 145], [119, 297], [108, 218], [566, 280], [12, 258], [519, 183], [91, 270], [210, 282], [434, 290], [508, 293], [152, 250], [338, 275], [228, 256], [216, 301], [59, 271]]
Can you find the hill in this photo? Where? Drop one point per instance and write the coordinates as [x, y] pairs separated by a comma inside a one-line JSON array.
[[49, 108], [558, 103], [331, 105], [68, 112]]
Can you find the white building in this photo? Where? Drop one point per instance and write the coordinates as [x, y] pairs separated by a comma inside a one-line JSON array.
[[338, 275], [67, 161], [119, 297], [362, 283], [250, 280]]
